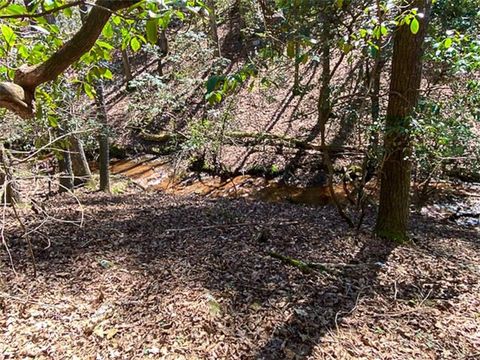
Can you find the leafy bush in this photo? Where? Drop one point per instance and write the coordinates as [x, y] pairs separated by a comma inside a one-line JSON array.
[[444, 138]]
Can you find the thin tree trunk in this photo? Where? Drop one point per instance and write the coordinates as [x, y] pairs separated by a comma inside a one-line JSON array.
[[103, 140], [80, 167], [11, 194], [162, 43], [324, 107], [127, 69], [212, 18], [394, 211], [104, 158], [267, 13], [66, 172], [375, 80]]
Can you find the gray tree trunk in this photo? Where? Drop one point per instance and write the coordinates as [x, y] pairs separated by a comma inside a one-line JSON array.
[[103, 140], [127, 69], [11, 195], [66, 172], [81, 170]]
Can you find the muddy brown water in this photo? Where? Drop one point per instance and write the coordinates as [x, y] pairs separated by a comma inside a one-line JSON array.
[[157, 174]]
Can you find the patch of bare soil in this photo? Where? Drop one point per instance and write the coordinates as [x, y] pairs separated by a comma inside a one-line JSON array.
[[162, 277]]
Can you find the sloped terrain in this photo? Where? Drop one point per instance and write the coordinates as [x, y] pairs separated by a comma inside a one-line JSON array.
[[162, 277]]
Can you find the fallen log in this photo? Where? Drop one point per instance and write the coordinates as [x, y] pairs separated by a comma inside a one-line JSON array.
[[256, 139]]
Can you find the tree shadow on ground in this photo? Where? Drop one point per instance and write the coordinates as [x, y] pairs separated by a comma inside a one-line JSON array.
[[269, 309]]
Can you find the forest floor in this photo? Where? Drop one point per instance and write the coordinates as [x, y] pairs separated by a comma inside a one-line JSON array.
[[151, 275]]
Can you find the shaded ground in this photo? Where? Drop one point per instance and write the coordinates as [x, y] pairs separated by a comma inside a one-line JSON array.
[[154, 276]]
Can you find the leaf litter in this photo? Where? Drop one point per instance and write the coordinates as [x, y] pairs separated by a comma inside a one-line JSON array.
[[154, 276]]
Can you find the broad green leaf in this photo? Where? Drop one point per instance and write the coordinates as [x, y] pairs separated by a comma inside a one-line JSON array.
[[53, 121], [105, 45], [116, 20], [135, 44], [414, 26], [213, 82], [23, 51], [89, 90], [107, 74], [152, 31], [448, 43], [8, 34], [108, 31], [15, 9], [214, 97]]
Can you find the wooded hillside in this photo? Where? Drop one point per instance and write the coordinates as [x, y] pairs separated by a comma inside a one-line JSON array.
[[265, 179]]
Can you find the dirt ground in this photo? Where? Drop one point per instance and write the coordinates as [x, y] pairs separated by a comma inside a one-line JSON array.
[[153, 276]]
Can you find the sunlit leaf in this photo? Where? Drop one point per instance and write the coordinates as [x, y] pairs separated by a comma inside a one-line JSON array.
[[414, 26]]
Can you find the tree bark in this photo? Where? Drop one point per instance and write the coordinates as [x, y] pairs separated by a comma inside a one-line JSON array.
[[127, 69], [19, 95], [10, 194], [81, 170], [103, 141], [267, 13], [104, 158], [393, 216], [162, 43], [212, 18], [66, 172]]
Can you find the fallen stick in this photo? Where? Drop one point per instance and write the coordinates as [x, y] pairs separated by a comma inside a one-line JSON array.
[[230, 225]]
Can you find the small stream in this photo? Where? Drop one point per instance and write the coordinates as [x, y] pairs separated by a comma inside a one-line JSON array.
[[158, 174], [464, 212], [461, 206]]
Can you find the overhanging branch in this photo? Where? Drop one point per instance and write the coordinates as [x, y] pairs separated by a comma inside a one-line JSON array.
[[19, 95], [43, 13]]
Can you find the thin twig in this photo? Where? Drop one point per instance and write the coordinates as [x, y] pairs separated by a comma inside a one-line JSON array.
[[230, 226], [48, 145], [27, 238], [2, 230]]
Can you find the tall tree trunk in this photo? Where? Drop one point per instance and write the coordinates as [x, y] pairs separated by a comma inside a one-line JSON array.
[[104, 158], [81, 170], [393, 215], [103, 140], [212, 18], [374, 79]]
